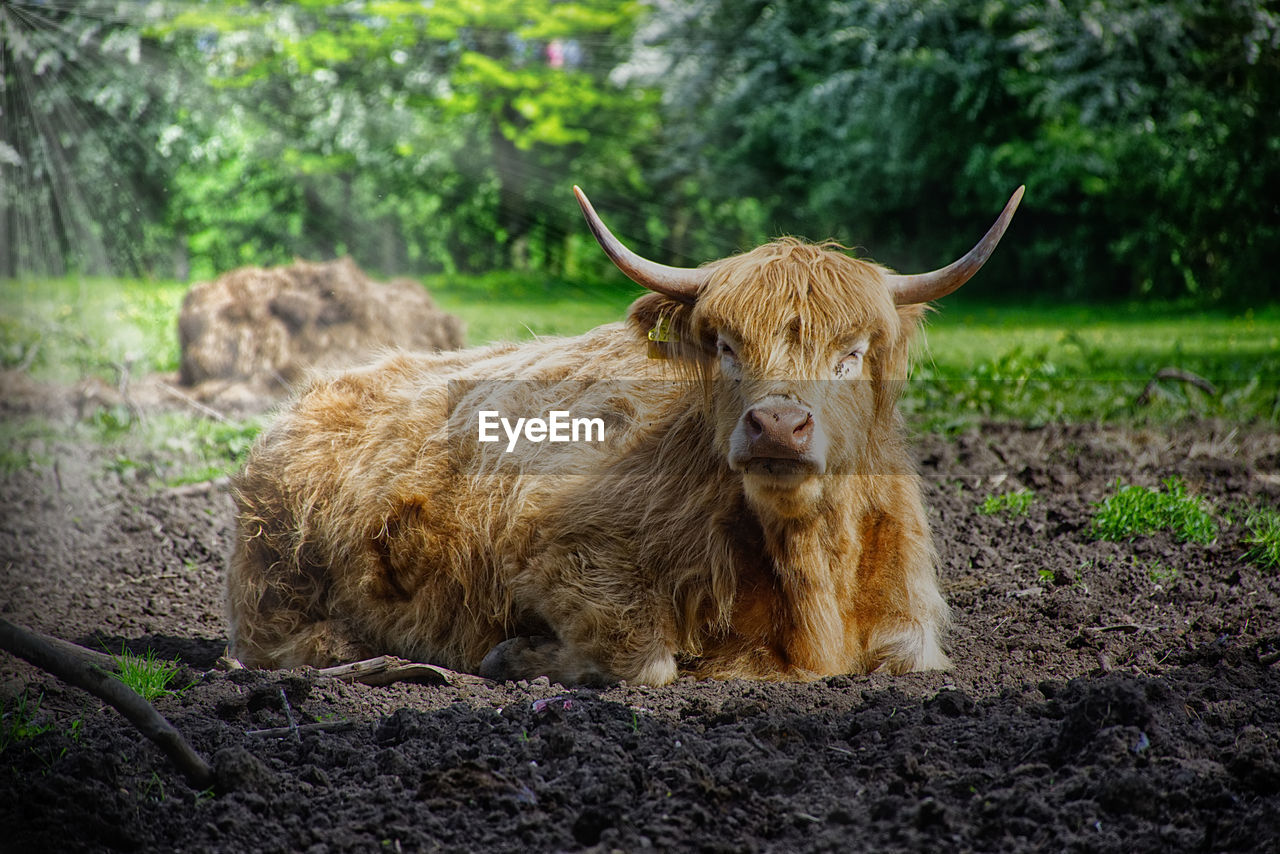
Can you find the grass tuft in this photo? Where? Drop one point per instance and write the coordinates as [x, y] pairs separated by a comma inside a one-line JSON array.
[[18, 720], [1010, 503], [147, 675], [1135, 511], [1262, 542]]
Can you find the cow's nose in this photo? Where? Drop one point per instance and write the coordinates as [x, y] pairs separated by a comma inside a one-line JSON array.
[[779, 430]]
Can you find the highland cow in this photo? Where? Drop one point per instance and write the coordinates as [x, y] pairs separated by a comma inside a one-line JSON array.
[[751, 510]]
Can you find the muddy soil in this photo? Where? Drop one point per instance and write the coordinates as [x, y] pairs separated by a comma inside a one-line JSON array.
[[1106, 696]]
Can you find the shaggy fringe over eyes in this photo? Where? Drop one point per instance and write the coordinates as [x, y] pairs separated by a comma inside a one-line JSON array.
[[788, 292], [765, 292]]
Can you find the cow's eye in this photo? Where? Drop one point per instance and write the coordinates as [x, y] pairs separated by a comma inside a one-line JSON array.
[[725, 349], [851, 364]]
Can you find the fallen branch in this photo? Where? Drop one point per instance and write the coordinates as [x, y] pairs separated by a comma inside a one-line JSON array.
[[322, 726], [386, 669], [193, 403], [85, 669], [196, 488], [288, 715], [1181, 376]]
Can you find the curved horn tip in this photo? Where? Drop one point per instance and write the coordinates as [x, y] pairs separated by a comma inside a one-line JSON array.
[[678, 283], [583, 201], [1016, 198], [926, 287]]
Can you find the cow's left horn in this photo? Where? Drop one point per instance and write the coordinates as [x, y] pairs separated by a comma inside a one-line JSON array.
[[926, 287], [679, 283]]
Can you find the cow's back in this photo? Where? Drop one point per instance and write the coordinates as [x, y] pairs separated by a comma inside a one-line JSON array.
[[370, 510]]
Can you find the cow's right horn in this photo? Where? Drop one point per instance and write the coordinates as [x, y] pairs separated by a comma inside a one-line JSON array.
[[679, 283], [925, 287]]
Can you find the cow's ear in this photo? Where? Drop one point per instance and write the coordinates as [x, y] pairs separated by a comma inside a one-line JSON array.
[[891, 362], [664, 325], [898, 357]]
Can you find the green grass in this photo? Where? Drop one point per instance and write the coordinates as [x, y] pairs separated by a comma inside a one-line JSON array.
[[1016, 503], [1262, 541], [148, 676], [1045, 363], [1160, 573], [64, 329], [1134, 511], [976, 361], [517, 306], [167, 448], [18, 720]]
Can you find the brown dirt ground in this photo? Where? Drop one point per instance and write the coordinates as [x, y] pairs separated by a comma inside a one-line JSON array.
[[1106, 696]]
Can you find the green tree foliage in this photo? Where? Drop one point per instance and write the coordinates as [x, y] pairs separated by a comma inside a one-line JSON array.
[[444, 135], [1148, 133], [82, 99], [434, 136]]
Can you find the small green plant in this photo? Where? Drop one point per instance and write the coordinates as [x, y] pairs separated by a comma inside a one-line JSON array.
[[199, 449], [1045, 575], [111, 422], [1160, 573], [153, 789], [149, 676], [1262, 541], [18, 720], [1010, 503], [1135, 511]]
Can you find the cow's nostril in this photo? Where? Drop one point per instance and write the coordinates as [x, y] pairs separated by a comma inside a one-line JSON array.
[[774, 430]]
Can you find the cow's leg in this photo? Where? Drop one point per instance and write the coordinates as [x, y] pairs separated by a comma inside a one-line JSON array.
[[897, 608], [275, 614], [905, 646], [529, 657], [314, 645], [608, 625]]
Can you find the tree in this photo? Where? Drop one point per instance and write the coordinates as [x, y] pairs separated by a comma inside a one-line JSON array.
[[440, 136], [82, 100], [1146, 133]]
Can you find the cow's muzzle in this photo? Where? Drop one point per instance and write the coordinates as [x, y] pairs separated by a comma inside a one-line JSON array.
[[777, 436]]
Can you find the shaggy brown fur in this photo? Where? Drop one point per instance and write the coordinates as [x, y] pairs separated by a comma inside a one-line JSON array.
[[269, 326], [371, 520]]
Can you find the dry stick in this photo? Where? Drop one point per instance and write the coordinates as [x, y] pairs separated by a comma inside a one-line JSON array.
[[124, 369], [288, 714], [84, 669], [193, 403], [386, 669], [30, 355], [1175, 374], [322, 726], [196, 488]]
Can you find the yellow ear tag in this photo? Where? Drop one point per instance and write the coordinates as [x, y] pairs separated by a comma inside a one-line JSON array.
[[661, 333]]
